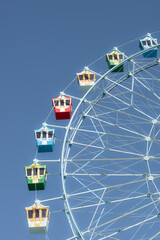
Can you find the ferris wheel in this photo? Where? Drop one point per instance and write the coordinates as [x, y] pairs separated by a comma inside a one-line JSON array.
[[110, 159]]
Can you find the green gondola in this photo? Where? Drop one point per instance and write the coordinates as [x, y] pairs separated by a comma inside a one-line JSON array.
[[114, 58], [36, 176]]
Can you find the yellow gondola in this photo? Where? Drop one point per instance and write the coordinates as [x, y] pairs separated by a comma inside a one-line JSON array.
[[38, 218], [86, 80]]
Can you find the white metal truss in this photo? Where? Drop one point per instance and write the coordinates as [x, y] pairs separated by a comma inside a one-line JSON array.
[[109, 159]]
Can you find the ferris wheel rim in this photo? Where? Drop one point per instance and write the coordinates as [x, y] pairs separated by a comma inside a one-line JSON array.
[[75, 229]]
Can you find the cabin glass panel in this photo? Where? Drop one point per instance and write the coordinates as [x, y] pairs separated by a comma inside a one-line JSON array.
[[120, 56], [41, 171], [44, 134], [144, 43], [81, 77], [37, 214], [38, 135], [110, 57], [115, 57], [30, 213], [91, 76], [62, 102], [153, 42], [67, 102], [86, 76], [29, 172], [35, 171], [44, 211], [56, 103], [50, 134], [149, 42]]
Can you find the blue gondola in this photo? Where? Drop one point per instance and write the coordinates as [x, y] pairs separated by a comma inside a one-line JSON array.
[[45, 139], [146, 43]]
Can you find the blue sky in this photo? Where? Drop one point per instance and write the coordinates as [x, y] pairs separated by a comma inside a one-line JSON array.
[[42, 46]]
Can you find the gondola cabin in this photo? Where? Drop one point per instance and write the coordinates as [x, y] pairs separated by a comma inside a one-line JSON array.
[[86, 80], [45, 139], [38, 218], [146, 43], [62, 107], [36, 176], [114, 58]]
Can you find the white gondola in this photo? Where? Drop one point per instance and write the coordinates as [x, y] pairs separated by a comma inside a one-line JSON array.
[[86, 80]]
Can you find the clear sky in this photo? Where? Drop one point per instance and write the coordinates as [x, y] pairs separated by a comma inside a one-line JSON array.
[[42, 46]]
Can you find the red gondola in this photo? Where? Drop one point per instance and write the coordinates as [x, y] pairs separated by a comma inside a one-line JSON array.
[[62, 107]]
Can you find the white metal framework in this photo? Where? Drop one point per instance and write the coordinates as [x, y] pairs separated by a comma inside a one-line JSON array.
[[110, 156]]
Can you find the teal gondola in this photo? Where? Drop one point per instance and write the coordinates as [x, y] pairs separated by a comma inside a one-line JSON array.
[[45, 139], [146, 43]]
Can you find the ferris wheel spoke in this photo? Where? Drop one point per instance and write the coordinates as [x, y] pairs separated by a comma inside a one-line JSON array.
[[94, 179], [127, 214], [126, 152], [84, 165], [120, 110], [126, 113], [132, 226], [88, 145], [97, 222], [98, 132], [116, 206], [86, 130], [117, 126], [107, 175], [120, 100], [113, 201], [154, 236], [144, 68], [107, 149], [86, 148], [148, 99], [90, 191], [103, 114], [96, 209], [106, 188], [106, 159], [101, 134]]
